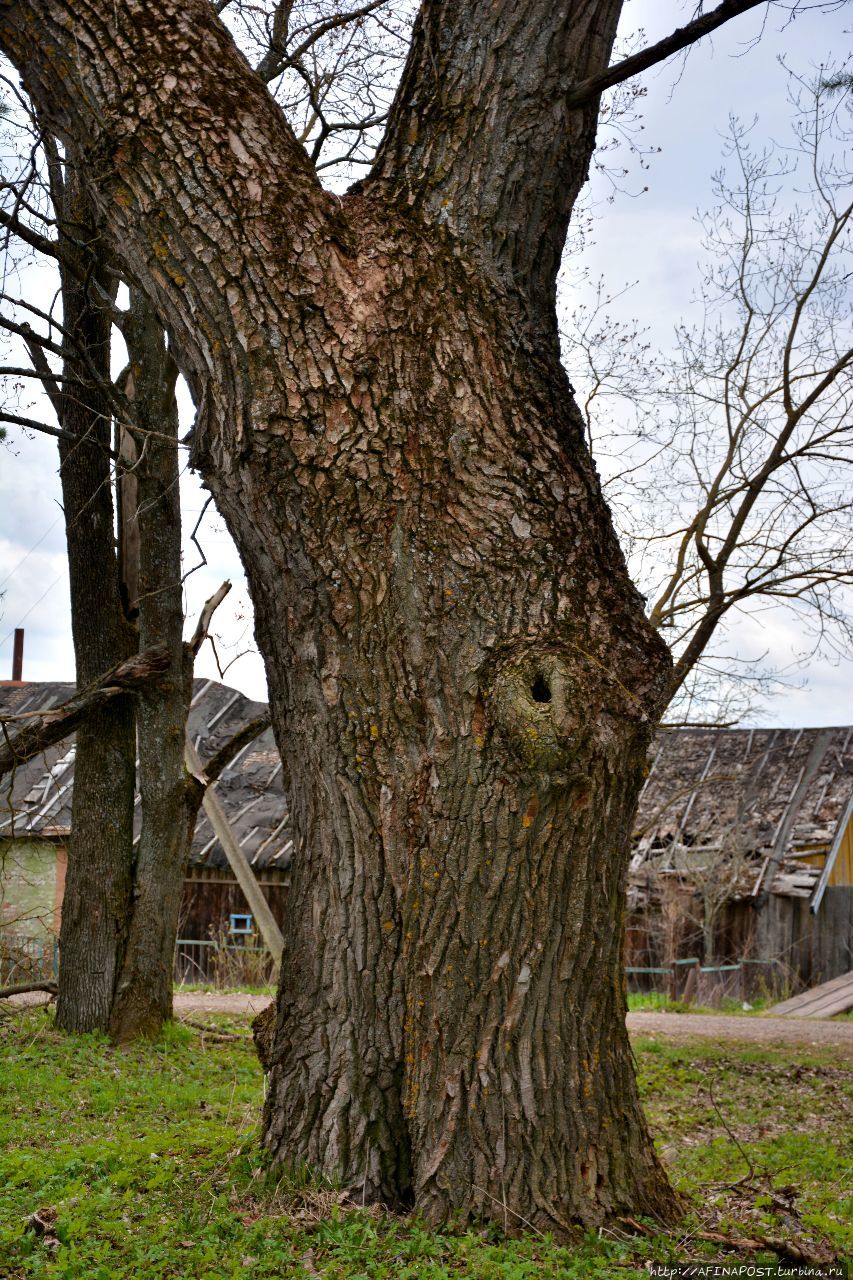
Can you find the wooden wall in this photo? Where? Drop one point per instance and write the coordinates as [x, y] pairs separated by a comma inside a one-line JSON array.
[[29, 891], [789, 946], [208, 901], [814, 948], [842, 868]]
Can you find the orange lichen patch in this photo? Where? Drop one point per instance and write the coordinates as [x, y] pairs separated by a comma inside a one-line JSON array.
[[531, 811]]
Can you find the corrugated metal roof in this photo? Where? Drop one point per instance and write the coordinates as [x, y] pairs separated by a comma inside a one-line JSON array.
[[36, 799]]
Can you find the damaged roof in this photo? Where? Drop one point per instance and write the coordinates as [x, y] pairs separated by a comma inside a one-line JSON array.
[[35, 800], [768, 794], [763, 783]]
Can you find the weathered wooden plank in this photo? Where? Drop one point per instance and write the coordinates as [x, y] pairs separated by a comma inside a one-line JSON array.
[[834, 984], [835, 996], [243, 873]]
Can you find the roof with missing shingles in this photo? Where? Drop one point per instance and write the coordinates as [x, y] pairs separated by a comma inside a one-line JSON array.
[[766, 789], [769, 795], [757, 780], [36, 800]]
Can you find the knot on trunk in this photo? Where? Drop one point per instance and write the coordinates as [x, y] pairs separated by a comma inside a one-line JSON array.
[[537, 711]]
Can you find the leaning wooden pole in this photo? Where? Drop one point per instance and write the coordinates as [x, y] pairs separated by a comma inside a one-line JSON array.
[[237, 860]]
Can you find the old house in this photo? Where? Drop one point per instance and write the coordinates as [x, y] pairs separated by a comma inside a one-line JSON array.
[[744, 851], [35, 818], [743, 848]]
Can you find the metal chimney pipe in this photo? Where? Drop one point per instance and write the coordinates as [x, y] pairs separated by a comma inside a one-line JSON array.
[[18, 655]]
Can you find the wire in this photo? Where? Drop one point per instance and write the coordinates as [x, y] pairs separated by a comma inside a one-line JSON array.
[[33, 548], [33, 606]]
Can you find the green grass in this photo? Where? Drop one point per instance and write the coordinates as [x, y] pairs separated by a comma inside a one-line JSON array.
[[147, 1163], [660, 1001], [240, 988], [762, 1135]]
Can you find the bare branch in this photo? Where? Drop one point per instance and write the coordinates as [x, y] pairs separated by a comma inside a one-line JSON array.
[[42, 729], [680, 39], [200, 634], [226, 753], [24, 988], [30, 424]]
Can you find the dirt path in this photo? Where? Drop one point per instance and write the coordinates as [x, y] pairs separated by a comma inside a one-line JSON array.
[[673, 1026], [235, 1002], [759, 1030]]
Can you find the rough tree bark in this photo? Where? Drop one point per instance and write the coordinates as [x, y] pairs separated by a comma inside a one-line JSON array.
[[141, 582], [95, 907], [462, 678], [143, 996]]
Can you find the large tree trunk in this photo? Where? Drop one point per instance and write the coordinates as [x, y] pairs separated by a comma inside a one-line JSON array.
[[96, 904], [463, 684], [462, 679], [143, 998]]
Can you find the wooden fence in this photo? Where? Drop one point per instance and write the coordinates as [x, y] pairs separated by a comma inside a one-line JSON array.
[[708, 985]]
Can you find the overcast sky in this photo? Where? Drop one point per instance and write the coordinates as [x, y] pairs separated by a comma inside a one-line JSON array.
[[652, 238]]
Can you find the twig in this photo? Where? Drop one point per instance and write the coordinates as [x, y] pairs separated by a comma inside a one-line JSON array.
[[750, 1166], [794, 1251], [784, 1248], [212, 1032], [194, 538], [507, 1210]]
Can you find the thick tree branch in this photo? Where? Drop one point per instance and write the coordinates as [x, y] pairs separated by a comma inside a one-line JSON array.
[[206, 617], [24, 331], [41, 243], [44, 371], [494, 123], [42, 729], [163, 113], [24, 988], [682, 38], [480, 137]]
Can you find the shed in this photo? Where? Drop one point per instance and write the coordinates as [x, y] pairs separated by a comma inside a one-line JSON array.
[[35, 818], [758, 823]]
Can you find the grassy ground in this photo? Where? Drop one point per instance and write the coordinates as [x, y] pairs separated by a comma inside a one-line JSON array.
[[144, 1163], [658, 1001], [212, 988]]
